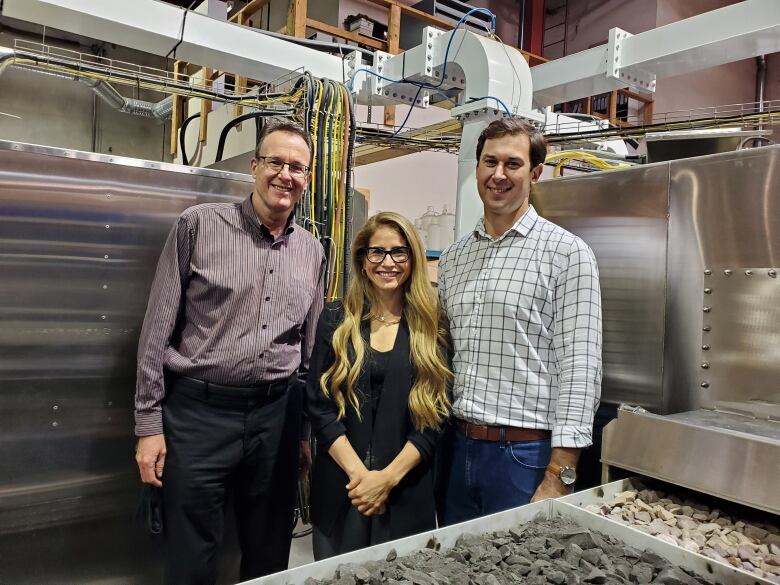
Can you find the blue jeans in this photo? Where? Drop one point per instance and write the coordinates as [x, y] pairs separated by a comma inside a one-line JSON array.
[[485, 477]]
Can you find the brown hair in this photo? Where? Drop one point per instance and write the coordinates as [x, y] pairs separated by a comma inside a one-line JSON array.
[[428, 402], [290, 128], [514, 127]]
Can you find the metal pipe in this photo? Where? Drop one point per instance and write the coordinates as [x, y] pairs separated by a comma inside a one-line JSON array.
[[760, 81]]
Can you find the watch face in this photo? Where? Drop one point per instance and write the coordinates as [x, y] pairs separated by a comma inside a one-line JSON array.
[[568, 475]]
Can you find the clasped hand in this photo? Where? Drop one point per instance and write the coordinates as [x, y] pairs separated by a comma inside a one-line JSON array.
[[368, 492]]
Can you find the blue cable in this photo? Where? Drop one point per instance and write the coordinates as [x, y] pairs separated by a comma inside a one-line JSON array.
[[491, 97], [422, 85]]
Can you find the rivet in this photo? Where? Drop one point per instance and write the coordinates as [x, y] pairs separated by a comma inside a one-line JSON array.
[[105, 256], [727, 272], [55, 407], [773, 273], [705, 365], [705, 384], [707, 328], [706, 309], [102, 317], [705, 347], [707, 291], [707, 272], [108, 226], [55, 424], [748, 273]]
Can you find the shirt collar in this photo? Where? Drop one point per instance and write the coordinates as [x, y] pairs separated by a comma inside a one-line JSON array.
[[521, 227], [248, 211]]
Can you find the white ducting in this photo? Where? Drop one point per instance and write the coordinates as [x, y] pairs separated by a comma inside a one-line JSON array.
[[105, 91]]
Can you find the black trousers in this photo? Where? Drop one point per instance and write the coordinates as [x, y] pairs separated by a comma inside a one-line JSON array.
[[219, 443]]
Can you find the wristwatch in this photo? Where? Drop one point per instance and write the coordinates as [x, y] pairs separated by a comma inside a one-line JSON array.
[[567, 475]]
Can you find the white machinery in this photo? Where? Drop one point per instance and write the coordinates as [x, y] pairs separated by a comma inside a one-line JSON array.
[[494, 79]]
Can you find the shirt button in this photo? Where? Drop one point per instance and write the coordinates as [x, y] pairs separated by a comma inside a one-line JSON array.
[[262, 354], [265, 326], [271, 271], [267, 298]]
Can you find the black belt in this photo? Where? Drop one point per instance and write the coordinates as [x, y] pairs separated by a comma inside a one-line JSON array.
[[268, 390]]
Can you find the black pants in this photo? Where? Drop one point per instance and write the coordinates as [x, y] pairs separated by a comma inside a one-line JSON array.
[[218, 443]]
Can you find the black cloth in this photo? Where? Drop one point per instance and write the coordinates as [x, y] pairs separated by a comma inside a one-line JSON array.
[[219, 443], [410, 506]]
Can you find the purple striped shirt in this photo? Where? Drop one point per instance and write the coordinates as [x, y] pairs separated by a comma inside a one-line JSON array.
[[229, 305]]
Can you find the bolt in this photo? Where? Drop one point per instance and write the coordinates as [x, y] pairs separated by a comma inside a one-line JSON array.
[[103, 317], [705, 365], [108, 226], [707, 272], [748, 273], [706, 309], [105, 286], [728, 272], [705, 384], [707, 291], [707, 328], [705, 347], [105, 256], [108, 195], [55, 424], [430, 45], [428, 57], [55, 407], [773, 273]]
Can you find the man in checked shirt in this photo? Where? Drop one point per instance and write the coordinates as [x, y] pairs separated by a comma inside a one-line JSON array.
[[224, 347], [523, 302]]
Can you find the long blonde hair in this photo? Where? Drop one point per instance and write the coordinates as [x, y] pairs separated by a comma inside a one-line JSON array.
[[428, 402]]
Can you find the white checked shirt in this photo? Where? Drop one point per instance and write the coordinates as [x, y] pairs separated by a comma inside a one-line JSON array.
[[525, 318]]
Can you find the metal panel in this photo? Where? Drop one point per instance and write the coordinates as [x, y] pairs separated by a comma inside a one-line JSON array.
[[741, 348], [725, 214], [622, 216], [725, 455], [80, 236], [446, 538]]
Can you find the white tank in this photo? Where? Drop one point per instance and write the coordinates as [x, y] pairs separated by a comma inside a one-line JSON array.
[[434, 241], [446, 227], [418, 225]]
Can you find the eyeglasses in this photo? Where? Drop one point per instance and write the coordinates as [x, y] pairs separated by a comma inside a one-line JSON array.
[[398, 255], [277, 164]]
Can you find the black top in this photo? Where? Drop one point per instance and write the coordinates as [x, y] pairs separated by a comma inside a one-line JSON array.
[[411, 506], [379, 361]]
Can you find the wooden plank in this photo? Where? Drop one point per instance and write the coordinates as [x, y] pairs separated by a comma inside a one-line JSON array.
[[345, 34], [177, 111], [612, 108], [416, 13], [647, 112], [635, 96], [393, 47], [296, 18], [248, 11], [205, 108]]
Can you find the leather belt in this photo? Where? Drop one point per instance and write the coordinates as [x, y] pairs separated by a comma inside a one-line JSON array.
[[269, 390], [511, 434]]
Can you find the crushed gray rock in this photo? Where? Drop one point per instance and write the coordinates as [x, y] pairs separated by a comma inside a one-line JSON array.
[[546, 552], [750, 546]]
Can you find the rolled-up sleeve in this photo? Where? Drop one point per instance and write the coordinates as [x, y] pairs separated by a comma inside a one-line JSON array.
[[577, 343]]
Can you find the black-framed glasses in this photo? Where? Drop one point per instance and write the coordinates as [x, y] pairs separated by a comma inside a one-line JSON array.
[[277, 164], [398, 255]]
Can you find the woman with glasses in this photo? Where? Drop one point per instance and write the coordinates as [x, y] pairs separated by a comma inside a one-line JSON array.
[[376, 395]]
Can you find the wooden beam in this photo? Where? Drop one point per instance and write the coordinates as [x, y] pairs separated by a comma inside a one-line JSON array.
[[247, 11], [612, 111], [345, 34], [393, 47], [635, 96], [205, 108], [296, 18], [416, 13], [177, 111]]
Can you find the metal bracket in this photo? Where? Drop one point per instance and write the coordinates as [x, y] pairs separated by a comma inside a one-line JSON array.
[[634, 77], [389, 92]]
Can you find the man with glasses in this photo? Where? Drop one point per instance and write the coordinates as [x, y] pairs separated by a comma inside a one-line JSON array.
[[523, 301], [223, 352]]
